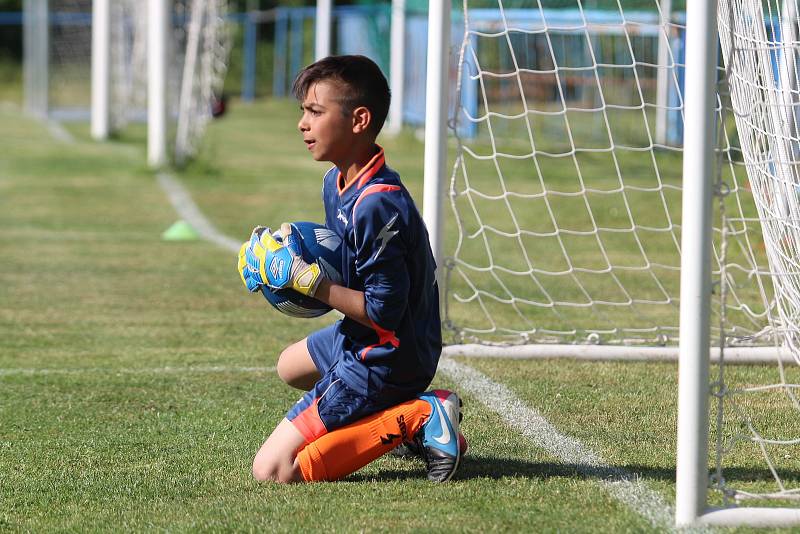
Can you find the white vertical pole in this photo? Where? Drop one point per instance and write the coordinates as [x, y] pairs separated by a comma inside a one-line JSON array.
[[698, 174], [787, 73], [663, 74], [397, 65], [196, 16], [157, 31], [436, 122], [101, 69], [322, 44], [36, 51]]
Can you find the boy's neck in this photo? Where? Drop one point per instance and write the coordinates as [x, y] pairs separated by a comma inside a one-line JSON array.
[[356, 160]]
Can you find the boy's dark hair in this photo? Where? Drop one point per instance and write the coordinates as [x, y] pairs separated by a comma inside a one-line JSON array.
[[363, 82]]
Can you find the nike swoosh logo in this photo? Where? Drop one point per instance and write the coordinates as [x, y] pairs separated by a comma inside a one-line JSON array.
[[445, 437]]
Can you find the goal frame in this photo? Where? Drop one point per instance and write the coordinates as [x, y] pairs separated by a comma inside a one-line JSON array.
[[694, 351]]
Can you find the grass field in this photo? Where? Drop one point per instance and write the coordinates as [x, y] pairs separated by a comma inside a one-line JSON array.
[[137, 378]]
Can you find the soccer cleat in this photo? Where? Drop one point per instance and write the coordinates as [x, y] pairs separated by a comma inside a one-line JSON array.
[[438, 440], [409, 449], [406, 450]]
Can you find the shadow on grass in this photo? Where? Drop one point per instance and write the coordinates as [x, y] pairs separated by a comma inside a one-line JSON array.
[[498, 468]]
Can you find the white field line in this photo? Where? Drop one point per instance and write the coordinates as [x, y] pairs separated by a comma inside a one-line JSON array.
[[622, 485], [182, 201], [55, 128], [199, 369], [58, 132]]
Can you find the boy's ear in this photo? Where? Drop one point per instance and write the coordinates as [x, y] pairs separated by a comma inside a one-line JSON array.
[[362, 119]]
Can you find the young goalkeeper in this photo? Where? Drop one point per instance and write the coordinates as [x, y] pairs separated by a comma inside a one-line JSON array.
[[365, 375]]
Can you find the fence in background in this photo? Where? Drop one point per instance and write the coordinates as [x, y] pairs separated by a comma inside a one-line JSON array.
[[272, 46]]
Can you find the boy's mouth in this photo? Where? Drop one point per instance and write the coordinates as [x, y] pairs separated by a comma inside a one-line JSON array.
[[309, 143]]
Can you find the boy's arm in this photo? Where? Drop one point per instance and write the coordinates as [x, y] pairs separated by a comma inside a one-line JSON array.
[[261, 251], [380, 236], [348, 301]]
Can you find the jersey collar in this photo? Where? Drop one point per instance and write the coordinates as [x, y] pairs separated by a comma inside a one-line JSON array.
[[367, 171]]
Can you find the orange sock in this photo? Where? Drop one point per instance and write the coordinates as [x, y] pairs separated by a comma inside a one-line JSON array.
[[348, 449]]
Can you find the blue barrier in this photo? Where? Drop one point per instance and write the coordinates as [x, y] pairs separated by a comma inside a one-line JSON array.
[[10, 18], [279, 52], [250, 41]]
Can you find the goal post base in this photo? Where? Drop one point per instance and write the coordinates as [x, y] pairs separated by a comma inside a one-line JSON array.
[[750, 517], [613, 353]]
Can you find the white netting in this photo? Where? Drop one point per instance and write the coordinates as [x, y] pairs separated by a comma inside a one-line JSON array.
[[70, 52], [128, 62], [566, 199], [70, 43], [759, 43], [204, 67], [763, 95], [199, 44]]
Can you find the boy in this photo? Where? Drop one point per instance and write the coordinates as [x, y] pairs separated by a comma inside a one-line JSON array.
[[365, 375]]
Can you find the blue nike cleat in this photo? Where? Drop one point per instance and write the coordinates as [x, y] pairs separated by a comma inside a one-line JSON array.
[[438, 440]]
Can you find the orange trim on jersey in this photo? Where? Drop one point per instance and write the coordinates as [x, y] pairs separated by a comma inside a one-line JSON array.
[[371, 190], [309, 423], [366, 172], [384, 337]]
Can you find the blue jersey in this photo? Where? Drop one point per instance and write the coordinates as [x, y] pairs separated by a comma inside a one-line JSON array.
[[385, 254]]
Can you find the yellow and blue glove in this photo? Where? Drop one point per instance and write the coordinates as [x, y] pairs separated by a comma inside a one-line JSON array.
[[251, 278], [265, 261]]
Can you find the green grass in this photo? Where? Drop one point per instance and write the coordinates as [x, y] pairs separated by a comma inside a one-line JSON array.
[[117, 419], [11, 74]]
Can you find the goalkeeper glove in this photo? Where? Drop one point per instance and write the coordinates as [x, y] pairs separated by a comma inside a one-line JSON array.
[[250, 277], [280, 266]]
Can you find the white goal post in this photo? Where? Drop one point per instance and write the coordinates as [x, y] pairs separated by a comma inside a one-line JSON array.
[[105, 61], [617, 190], [698, 165]]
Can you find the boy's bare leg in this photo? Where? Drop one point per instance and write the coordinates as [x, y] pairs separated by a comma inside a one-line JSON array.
[[289, 455], [276, 459], [296, 368]]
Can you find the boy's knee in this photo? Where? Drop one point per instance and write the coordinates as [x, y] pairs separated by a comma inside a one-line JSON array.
[[286, 368], [265, 473], [272, 472], [293, 371], [283, 366]]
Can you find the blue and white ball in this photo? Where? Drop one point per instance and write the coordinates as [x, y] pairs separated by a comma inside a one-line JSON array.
[[318, 244]]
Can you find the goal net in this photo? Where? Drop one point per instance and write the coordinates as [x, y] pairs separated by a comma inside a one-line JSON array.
[[69, 43], [204, 61], [67, 37], [566, 199], [199, 44]]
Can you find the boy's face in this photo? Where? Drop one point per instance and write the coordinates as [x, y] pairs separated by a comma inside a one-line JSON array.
[[327, 132]]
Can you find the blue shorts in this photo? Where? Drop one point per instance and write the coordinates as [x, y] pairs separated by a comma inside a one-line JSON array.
[[331, 403], [326, 346]]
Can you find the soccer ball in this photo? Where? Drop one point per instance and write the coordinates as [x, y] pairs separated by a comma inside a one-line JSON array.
[[317, 243]]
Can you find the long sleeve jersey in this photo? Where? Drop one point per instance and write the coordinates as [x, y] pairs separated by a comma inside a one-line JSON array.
[[387, 255]]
